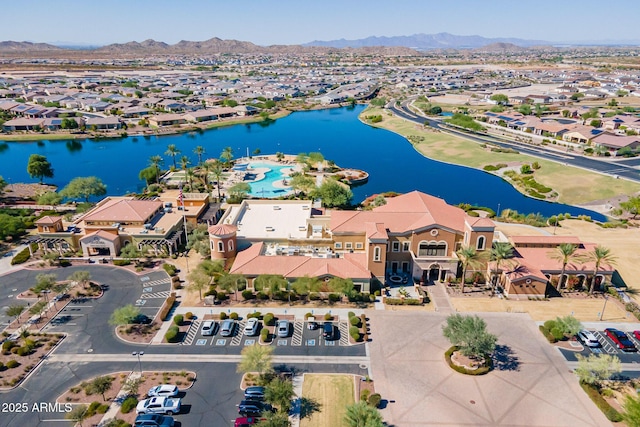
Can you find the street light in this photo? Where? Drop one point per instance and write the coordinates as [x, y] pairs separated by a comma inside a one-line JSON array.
[[604, 306], [138, 353]]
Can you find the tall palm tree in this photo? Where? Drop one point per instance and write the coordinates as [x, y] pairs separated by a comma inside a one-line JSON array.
[[156, 161], [564, 253], [191, 174], [199, 151], [184, 162], [216, 170], [227, 155], [469, 257], [500, 252], [599, 255], [172, 151]]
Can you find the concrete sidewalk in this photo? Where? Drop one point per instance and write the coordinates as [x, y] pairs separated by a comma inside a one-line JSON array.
[[114, 409]]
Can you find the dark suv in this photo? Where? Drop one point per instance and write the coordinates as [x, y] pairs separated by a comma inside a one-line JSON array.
[[249, 408], [327, 331], [254, 393]]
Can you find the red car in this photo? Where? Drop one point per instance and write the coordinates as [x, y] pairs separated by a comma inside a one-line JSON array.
[[246, 421], [636, 334], [620, 339]]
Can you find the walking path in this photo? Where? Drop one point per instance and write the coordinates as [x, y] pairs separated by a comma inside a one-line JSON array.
[[441, 298], [114, 409]]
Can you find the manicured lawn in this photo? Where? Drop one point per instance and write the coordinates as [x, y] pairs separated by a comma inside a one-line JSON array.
[[573, 185], [333, 393]]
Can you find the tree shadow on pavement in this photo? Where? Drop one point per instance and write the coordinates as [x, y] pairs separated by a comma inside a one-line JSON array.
[[308, 407], [504, 359]]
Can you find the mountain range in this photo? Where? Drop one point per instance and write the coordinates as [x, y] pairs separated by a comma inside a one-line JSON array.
[[427, 41]]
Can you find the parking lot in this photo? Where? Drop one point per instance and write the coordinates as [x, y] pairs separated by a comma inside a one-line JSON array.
[[607, 347], [299, 336]]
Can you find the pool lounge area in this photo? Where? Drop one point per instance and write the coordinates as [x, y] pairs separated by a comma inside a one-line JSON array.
[[268, 179]]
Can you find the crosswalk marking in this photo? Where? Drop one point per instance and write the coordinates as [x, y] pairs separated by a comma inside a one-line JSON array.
[[156, 282], [162, 294], [191, 332], [237, 338], [296, 339], [344, 333]]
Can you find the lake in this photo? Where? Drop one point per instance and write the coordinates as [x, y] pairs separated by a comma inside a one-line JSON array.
[[390, 159]]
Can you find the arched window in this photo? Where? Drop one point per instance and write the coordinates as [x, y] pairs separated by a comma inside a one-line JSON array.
[[480, 244], [220, 246], [376, 253], [230, 245], [426, 249]]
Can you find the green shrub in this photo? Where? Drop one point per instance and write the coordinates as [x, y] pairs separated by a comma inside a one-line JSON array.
[[264, 334], [558, 333], [12, 364], [550, 324], [23, 351], [233, 316], [222, 296], [594, 394], [128, 404], [188, 315], [2, 367], [167, 306], [248, 294], [374, 400], [170, 269], [223, 315], [547, 334], [21, 257], [328, 317], [178, 319], [172, 334], [334, 297], [255, 314], [8, 345], [121, 262], [355, 321], [351, 314], [364, 395], [479, 371], [262, 296], [307, 315], [269, 319], [93, 408], [103, 408], [314, 296]]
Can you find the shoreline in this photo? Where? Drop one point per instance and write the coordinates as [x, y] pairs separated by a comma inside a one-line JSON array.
[[597, 206], [163, 131]]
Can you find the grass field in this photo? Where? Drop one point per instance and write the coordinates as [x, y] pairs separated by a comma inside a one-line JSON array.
[[333, 393], [573, 185]]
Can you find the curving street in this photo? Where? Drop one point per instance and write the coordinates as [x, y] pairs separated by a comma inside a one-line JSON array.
[[619, 168]]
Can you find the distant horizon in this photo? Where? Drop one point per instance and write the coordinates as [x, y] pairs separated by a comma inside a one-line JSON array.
[[295, 22]]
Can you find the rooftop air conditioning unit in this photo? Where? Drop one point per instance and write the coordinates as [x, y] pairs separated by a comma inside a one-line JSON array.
[[269, 228], [148, 226], [276, 208]]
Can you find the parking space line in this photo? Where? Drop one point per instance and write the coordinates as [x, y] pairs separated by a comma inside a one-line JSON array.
[[606, 344], [239, 333], [191, 332], [298, 328], [344, 333]]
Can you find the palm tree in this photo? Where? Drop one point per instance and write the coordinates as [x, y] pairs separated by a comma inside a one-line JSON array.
[[469, 257], [362, 414], [156, 161], [191, 174], [199, 151], [599, 255], [564, 253], [216, 170], [227, 155], [172, 151], [500, 252], [184, 162]]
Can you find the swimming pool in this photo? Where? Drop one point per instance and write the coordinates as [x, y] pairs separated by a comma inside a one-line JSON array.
[[273, 173]]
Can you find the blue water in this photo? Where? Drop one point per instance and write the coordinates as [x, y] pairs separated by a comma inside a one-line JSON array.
[[264, 187], [392, 162]]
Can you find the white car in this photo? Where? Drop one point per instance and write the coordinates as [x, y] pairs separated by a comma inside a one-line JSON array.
[[588, 338], [166, 390], [208, 327], [159, 405], [251, 328], [282, 328]]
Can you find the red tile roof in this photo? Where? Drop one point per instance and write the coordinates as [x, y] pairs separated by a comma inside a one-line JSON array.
[[48, 220], [123, 210]]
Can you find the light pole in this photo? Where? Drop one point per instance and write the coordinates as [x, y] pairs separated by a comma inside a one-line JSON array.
[[604, 306], [138, 353]]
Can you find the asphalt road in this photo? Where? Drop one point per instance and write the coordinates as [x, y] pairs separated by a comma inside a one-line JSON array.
[[621, 168]]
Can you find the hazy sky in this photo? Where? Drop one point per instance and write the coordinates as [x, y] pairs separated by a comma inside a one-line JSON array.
[[300, 21]]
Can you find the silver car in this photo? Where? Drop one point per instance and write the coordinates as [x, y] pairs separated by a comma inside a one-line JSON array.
[[588, 338], [282, 328], [208, 327]]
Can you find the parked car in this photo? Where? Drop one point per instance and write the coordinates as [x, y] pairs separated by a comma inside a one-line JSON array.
[[227, 328], [327, 331], [159, 405], [141, 319], [636, 334], [246, 421], [208, 328], [249, 408], [282, 328], [254, 393], [588, 338], [620, 339], [251, 328], [153, 420], [166, 390]]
